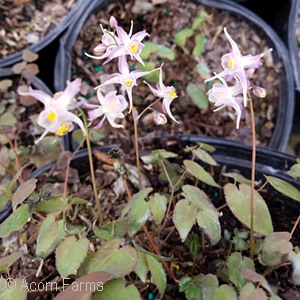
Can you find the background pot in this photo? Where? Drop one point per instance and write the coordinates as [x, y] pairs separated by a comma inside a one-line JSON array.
[[284, 121], [48, 45]]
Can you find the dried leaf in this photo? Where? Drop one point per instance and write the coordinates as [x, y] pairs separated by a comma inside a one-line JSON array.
[[29, 56], [19, 67], [5, 84], [31, 70]]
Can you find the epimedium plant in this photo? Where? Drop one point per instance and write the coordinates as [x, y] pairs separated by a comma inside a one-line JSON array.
[[127, 254]]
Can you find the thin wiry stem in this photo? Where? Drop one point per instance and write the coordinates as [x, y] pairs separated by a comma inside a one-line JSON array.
[[136, 145], [252, 179], [89, 148]]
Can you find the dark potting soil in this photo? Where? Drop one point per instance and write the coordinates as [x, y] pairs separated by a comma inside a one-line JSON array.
[[26, 22], [162, 22]]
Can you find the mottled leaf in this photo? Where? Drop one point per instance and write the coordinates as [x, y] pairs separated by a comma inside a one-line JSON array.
[[113, 259], [15, 221], [225, 292], [158, 275], [274, 247], [5, 84], [58, 203], [184, 217], [7, 261], [83, 288], [238, 201], [141, 268], [50, 235], [68, 264], [295, 170], [284, 187], [15, 290], [210, 225], [209, 284], [117, 290], [158, 205], [205, 157], [197, 171], [197, 95], [23, 191], [237, 177], [8, 119]]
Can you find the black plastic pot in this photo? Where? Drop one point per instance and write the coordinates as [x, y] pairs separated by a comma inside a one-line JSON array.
[[286, 101], [235, 156], [48, 45], [47, 39], [284, 120]]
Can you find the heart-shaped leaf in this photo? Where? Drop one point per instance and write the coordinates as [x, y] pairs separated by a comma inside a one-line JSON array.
[[238, 201], [184, 217], [23, 191]]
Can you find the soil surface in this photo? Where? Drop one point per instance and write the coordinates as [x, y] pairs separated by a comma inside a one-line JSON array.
[[26, 22], [162, 22]]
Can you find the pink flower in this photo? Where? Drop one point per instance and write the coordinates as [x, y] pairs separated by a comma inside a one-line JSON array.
[[109, 42], [160, 119], [235, 65], [111, 107], [114, 46], [167, 93], [126, 78], [223, 95], [56, 117]]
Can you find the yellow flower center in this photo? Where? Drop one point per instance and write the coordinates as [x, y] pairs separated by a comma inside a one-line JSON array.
[[128, 83], [56, 95], [51, 116], [63, 129], [230, 63], [133, 48], [173, 94]]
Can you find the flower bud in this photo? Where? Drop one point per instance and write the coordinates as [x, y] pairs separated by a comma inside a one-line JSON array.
[[259, 92], [160, 119]]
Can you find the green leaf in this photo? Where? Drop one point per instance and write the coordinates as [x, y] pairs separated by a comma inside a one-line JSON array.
[[197, 95], [113, 259], [200, 43], [295, 170], [16, 290], [199, 198], [73, 229], [149, 48], [284, 187], [197, 171], [184, 217], [236, 264], [7, 261], [111, 230], [15, 221], [275, 247], [225, 292], [209, 284], [249, 292], [210, 225], [7, 119], [182, 35], [203, 70], [23, 191], [165, 52], [138, 211], [158, 206], [157, 155], [141, 268], [158, 275], [68, 264], [205, 157], [237, 177], [50, 235], [117, 290], [238, 201], [58, 203], [75, 201], [200, 19], [5, 84]]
